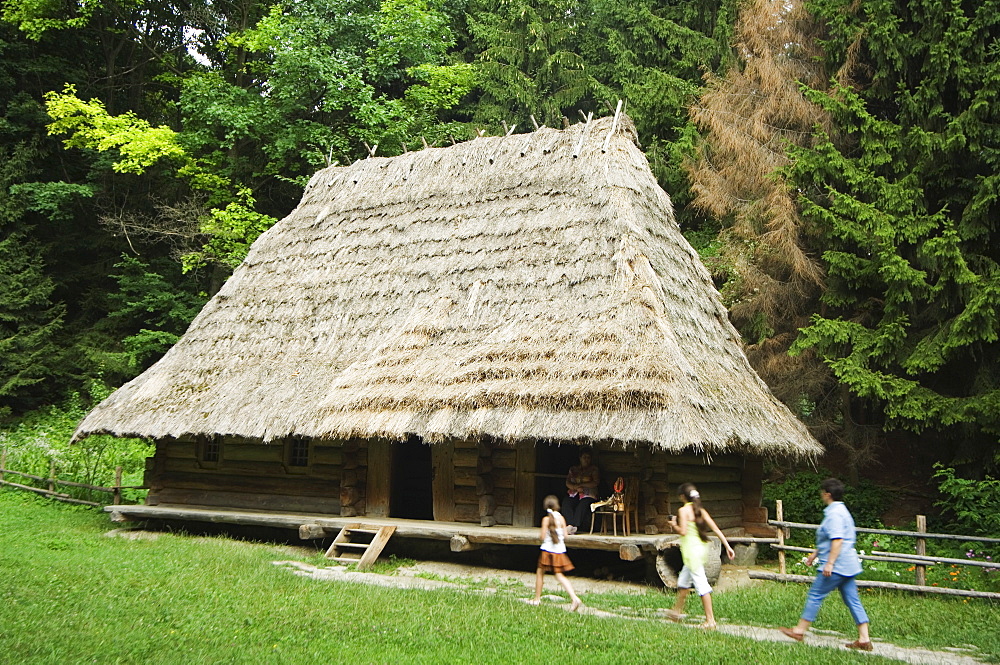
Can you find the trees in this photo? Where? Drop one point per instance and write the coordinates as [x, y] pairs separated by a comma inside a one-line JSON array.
[[767, 254], [904, 192], [530, 62]]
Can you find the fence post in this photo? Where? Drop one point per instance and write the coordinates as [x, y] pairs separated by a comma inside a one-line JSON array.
[[921, 571], [52, 474], [779, 513], [3, 462], [117, 494]]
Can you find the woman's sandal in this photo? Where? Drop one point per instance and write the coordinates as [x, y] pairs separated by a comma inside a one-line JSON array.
[[675, 616], [788, 632], [859, 645]]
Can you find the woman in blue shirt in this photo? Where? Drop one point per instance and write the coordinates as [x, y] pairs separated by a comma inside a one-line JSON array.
[[839, 565]]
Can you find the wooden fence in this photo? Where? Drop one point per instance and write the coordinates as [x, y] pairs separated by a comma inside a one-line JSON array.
[[919, 560], [52, 482]]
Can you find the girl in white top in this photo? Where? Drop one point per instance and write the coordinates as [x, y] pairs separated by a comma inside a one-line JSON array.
[[553, 556]]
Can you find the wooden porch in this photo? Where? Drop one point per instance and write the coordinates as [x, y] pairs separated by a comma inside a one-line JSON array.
[[462, 536]]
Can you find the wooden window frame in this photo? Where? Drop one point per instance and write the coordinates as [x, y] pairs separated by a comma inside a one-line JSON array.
[[295, 464], [209, 451]]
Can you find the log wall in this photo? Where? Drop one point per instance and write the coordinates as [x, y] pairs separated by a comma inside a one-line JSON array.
[[485, 482], [249, 474]]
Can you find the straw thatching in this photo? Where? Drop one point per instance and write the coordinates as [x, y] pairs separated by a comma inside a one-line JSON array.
[[533, 286]]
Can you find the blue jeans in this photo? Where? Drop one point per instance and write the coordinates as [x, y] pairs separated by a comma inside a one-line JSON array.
[[821, 588]]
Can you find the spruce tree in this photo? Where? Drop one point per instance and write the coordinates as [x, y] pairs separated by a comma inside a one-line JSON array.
[[904, 192]]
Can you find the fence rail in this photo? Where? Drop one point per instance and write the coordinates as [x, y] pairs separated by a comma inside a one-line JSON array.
[[919, 560], [52, 481]]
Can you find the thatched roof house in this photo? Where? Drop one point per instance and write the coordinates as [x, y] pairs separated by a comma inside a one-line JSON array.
[[521, 288]]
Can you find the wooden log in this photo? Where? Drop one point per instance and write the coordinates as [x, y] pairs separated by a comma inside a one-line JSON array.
[[96, 488], [466, 512], [487, 520], [505, 496], [66, 499], [891, 532], [218, 481], [27, 475], [524, 484], [484, 484], [348, 497], [874, 584], [892, 557], [328, 505], [779, 511], [312, 532], [178, 449], [730, 460], [484, 465], [245, 452], [504, 514], [37, 490], [117, 496], [677, 474], [466, 477], [351, 477], [460, 543], [351, 461], [377, 477], [466, 495], [466, 457], [755, 514], [630, 552], [920, 572], [321, 454], [505, 478], [487, 505], [723, 491], [752, 482], [504, 459], [443, 479]]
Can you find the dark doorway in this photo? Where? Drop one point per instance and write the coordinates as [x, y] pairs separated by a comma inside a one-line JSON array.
[[411, 491], [551, 466]]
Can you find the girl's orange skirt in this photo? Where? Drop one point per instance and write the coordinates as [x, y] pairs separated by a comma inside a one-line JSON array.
[[554, 563]]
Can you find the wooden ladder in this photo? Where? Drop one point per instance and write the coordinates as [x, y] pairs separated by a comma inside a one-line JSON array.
[[360, 544]]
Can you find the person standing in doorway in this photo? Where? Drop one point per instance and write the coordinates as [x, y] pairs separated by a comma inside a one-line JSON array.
[[838, 566]]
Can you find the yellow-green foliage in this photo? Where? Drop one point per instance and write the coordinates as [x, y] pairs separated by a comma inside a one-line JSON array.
[[89, 125]]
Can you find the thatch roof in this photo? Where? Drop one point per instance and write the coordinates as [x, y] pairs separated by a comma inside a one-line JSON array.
[[502, 287]]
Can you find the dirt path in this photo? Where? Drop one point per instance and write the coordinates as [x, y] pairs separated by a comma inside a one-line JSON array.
[[437, 575]]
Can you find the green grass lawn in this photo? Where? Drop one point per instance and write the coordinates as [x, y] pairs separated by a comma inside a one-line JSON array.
[[71, 595]]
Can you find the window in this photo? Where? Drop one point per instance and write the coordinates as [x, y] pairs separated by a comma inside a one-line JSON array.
[[298, 453], [211, 449]]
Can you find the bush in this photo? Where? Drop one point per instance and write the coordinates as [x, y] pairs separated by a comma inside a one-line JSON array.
[[799, 493], [44, 435], [972, 506]]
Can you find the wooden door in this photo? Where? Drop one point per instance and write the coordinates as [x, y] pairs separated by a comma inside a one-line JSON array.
[[524, 484], [443, 480], [378, 479]]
